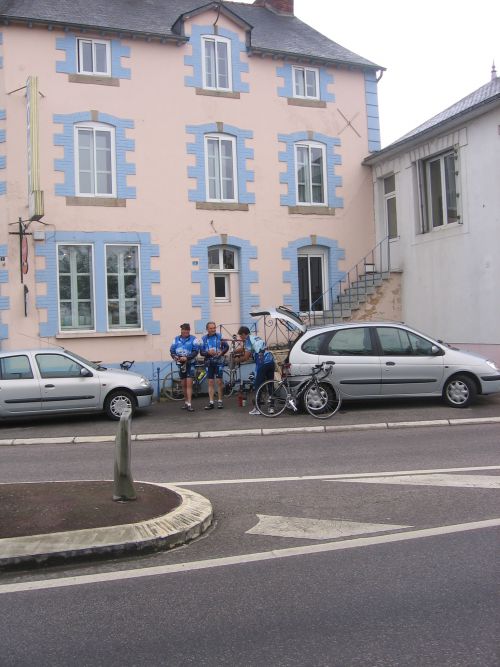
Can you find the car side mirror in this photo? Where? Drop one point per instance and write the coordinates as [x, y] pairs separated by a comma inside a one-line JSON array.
[[85, 373], [436, 351]]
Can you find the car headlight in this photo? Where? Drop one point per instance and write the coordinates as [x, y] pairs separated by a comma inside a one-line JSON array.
[[493, 365], [144, 382]]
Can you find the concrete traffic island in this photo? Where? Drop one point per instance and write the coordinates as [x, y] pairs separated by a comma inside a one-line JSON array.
[[48, 522]]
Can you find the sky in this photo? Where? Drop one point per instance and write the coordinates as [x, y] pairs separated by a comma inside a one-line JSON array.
[[435, 51]]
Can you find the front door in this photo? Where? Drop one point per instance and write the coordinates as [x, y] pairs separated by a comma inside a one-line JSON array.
[[312, 279]]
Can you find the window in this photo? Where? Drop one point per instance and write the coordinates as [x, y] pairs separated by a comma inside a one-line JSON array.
[[397, 342], [347, 342], [93, 57], [216, 63], [57, 366], [95, 160], [220, 152], [391, 216], [440, 191], [316, 344], [222, 262], [122, 280], [306, 83], [310, 170], [15, 368], [75, 274]]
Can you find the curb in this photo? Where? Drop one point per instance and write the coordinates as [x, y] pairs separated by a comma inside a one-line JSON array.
[[183, 524], [195, 435]]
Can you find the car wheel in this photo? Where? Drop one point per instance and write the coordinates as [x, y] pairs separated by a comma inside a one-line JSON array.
[[118, 401], [459, 391]]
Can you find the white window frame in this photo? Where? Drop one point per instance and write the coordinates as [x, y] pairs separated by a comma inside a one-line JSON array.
[[227, 288], [219, 138], [388, 196], [309, 145], [216, 40], [304, 70], [94, 127], [429, 222], [322, 254], [124, 326], [74, 287], [79, 56], [221, 272]]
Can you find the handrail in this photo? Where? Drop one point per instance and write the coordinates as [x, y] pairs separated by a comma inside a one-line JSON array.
[[347, 290]]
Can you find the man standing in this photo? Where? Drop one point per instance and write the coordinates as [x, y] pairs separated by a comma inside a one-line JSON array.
[[254, 346], [184, 350], [213, 348]]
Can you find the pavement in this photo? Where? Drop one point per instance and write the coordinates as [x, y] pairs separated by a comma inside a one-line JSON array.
[[50, 522]]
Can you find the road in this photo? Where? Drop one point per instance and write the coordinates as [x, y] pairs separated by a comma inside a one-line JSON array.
[[355, 548]]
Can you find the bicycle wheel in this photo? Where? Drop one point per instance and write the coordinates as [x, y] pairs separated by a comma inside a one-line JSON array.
[[322, 400], [172, 387], [270, 398], [227, 382]]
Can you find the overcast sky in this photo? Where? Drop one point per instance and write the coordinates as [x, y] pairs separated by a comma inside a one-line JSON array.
[[435, 51]]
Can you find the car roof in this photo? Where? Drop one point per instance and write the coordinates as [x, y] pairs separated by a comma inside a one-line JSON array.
[[4, 353]]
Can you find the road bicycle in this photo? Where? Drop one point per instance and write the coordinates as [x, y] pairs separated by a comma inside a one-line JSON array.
[[321, 399], [172, 384], [233, 380]]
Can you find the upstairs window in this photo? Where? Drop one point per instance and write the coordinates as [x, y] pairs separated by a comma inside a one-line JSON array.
[[440, 205], [220, 152], [306, 83], [216, 63], [310, 170], [93, 57], [391, 216], [95, 160]]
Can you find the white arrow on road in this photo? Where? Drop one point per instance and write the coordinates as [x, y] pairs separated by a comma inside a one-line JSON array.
[[315, 529], [464, 481]]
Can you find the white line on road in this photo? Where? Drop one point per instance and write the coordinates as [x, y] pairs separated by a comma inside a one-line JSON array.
[[247, 558], [462, 481]]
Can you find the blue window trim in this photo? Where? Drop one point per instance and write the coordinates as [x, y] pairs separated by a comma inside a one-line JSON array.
[[247, 277], [98, 240], [69, 64], [289, 176], [67, 140], [325, 80], [3, 158], [196, 62], [371, 99], [4, 300], [292, 275], [243, 154]]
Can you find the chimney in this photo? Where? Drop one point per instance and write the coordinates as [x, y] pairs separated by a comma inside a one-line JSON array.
[[493, 72], [277, 6]]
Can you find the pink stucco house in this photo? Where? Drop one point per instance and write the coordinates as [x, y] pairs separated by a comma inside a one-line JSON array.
[[174, 161]]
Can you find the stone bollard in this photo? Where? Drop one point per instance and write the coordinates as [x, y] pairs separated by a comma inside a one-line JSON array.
[[123, 488]]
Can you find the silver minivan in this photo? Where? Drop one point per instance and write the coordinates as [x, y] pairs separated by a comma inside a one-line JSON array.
[[388, 360], [55, 381]]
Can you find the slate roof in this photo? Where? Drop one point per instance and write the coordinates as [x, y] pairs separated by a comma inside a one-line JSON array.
[[273, 33]]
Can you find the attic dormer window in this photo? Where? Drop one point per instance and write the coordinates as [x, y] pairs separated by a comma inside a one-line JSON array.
[[93, 57], [216, 63]]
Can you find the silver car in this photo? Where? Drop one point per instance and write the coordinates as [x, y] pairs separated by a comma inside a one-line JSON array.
[[54, 381], [388, 360]]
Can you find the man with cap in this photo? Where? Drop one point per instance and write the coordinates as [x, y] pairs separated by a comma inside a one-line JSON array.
[[184, 350]]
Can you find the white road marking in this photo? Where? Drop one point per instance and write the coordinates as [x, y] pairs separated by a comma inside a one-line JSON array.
[[315, 529], [247, 558], [305, 478], [463, 481]]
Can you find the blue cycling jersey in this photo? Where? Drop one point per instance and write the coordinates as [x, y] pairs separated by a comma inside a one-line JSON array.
[[213, 342], [261, 355], [185, 347]]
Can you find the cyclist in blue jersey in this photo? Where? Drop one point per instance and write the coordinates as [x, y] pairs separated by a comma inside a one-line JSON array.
[[184, 350], [213, 348], [254, 346]]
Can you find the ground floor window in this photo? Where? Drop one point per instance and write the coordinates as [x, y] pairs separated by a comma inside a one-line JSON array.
[[312, 279]]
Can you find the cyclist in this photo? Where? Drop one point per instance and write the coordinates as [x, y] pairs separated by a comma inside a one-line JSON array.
[[184, 350], [254, 346], [213, 348]]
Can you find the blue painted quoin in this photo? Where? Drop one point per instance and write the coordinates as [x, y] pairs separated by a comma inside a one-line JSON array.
[[66, 139], [371, 98], [68, 44], [98, 240], [195, 60], [4, 300], [287, 89], [197, 148], [289, 177], [247, 277], [292, 275]]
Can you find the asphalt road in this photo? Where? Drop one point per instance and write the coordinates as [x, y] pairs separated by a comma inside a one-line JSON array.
[[369, 548]]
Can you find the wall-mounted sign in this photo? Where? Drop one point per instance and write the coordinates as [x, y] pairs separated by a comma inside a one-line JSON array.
[[35, 195]]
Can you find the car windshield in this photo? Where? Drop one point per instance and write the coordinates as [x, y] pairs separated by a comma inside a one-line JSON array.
[[93, 364]]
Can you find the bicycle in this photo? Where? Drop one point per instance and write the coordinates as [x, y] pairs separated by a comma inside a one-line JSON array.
[[321, 399], [234, 370], [172, 383]]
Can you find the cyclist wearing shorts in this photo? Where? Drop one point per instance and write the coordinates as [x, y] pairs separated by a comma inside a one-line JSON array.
[[254, 346], [213, 349], [184, 350]]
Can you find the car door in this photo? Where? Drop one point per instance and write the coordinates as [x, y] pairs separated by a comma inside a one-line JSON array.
[[19, 388], [66, 385], [357, 364], [411, 364]]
